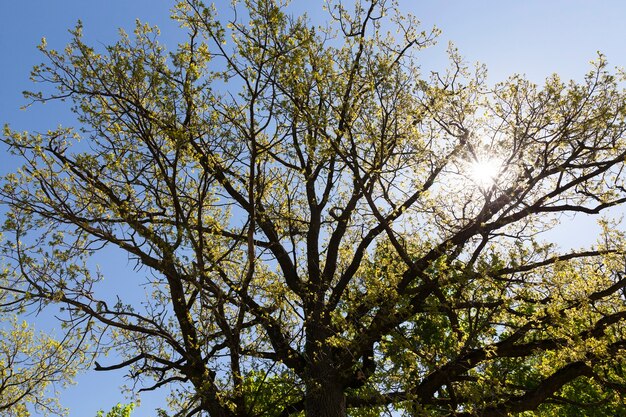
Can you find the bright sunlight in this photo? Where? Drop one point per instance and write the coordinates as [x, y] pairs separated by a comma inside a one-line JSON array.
[[485, 171]]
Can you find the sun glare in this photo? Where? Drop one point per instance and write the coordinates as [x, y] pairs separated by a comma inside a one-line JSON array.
[[484, 172]]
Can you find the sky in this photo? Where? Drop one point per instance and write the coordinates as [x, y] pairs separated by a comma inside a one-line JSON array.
[[531, 37]]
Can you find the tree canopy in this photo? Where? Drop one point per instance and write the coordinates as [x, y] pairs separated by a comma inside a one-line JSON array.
[[320, 228]]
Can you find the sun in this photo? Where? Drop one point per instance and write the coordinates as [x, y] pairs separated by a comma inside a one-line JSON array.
[[485, 171]]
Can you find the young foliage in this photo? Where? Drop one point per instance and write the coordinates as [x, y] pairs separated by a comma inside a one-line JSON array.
[[118, 410], [319, 228], [33, 367]]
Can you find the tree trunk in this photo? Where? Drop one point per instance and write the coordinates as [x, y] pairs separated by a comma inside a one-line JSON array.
[[324, 391], [324, 398]]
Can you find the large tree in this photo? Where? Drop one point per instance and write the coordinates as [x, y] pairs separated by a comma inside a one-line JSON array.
[[318, 226]]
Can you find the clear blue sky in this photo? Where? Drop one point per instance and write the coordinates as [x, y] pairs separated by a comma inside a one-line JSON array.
[[533, 37]]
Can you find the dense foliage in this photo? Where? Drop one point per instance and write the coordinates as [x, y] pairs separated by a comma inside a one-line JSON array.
[[318, 227], [119, 410]]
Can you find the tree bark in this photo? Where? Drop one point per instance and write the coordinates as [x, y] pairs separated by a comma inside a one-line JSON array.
[[324, 398]]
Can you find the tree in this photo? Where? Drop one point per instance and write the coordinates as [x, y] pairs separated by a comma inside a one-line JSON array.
[[31, 367], [319, 227], [118, 410]]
